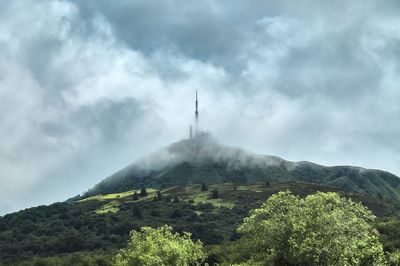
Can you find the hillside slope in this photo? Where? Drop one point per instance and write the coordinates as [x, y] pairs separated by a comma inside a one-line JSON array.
[[203, 160], [100, 224]]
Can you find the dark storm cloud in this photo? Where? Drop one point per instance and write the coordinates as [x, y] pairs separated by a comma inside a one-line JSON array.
[[194, 29], [94, 85]]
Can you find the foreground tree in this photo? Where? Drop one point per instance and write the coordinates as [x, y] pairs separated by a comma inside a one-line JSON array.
[[160, 247], [321, 229]]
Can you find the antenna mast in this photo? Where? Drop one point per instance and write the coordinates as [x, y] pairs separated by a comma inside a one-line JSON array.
[[196, 114]]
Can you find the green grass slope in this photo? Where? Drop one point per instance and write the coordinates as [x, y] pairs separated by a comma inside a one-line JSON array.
[[203, 160]]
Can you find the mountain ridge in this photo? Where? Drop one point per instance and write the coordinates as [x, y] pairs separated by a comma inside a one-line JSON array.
[[203, 160]]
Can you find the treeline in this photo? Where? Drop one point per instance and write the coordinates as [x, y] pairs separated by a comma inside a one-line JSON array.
[[62, 232], [65, 228], [320, 229]]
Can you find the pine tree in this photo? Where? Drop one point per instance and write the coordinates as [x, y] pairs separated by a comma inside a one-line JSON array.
[[143, 192], [135, 196], [158, 194], [215, 194]]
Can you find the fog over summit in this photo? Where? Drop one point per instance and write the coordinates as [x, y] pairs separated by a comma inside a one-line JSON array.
[[203, 148]]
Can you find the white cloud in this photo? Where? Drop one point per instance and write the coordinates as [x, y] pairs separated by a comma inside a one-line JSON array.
[[87, 87]]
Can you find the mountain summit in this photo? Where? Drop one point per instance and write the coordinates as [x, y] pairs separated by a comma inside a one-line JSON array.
[[203, 160]]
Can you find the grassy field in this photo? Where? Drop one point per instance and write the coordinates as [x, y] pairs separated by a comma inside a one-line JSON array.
[[121, 195], [230, 195]]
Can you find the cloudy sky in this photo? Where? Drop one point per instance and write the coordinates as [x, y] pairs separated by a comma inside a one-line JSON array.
[[86, 87]]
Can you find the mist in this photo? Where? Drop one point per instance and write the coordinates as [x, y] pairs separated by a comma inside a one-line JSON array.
[[88, 87]]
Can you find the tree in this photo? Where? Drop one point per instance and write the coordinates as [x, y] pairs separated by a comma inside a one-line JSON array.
[[215, 194], [175, 199], [137, 212], [135, 196], [394, 258], [321, 229], [143, 192], [176, 213], [160, 247], [204, 187]]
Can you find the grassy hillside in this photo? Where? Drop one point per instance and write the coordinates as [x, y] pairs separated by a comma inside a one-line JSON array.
[[204, 160], [94, 227]]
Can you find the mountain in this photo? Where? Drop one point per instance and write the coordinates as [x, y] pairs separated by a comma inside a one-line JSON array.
[[203, 160], [89, 230]]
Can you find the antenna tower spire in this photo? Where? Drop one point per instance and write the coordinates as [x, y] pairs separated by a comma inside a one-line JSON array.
[[196, 114]]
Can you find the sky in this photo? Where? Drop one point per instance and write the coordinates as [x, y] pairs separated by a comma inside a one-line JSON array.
[[87, 87]]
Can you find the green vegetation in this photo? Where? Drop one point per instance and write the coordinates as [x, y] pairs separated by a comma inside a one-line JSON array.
[[135, 196], [215, 194], [121, 195], [160, 247], [321, 229], [110, 207], [99, 258], [100, 225], [143, 192], [207, 190], [206, 162]]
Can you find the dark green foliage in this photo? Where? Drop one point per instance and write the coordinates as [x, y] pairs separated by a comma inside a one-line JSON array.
[[136, 212], [176, 214], [203, 166], [62, 228], [345, 178], [176, 199], [135, 196], [204, 187], [143, 192], [100, 258], [389, 228], [159, 196], [215, 194], [155, 213]]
